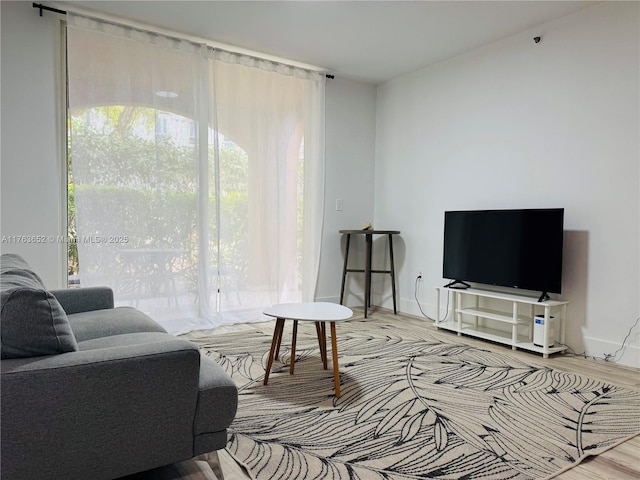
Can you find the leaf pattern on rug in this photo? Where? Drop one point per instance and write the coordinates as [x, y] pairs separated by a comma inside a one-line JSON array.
[[411, 407]]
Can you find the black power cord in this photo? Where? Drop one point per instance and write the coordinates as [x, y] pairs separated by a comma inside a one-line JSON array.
[[415, 294], [607, 356]]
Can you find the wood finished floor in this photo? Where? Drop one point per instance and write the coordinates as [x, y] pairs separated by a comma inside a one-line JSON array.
[[619, 463]]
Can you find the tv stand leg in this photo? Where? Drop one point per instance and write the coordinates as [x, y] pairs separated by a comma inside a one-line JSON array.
[[459, 284], [544, 296]]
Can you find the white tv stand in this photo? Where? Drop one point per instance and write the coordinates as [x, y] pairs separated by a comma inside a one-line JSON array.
[[472, 317]]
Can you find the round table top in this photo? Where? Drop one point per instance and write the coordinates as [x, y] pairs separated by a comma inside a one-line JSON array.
[[371, 231], [311, 311]]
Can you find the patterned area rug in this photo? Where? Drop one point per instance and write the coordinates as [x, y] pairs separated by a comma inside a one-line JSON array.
[[411, 407]]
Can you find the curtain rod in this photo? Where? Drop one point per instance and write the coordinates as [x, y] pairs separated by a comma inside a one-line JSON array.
[[42, 7], [48, 9]]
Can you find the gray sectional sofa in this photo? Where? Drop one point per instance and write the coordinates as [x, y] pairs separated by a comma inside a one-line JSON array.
[[89, 391]]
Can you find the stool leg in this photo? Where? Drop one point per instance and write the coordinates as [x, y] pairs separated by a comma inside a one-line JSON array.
[[293, 347], [393, 273], [367, 273], [334, 352], [323, 351], [344, 268], [277, 332]]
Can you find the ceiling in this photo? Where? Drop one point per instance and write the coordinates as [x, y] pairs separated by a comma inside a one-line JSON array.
[[370, 41]]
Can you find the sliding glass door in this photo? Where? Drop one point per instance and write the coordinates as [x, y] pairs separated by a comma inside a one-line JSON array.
[[196, 175]]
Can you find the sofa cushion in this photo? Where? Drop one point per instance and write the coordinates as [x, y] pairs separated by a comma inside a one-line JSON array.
[[124, 340], [109, 322], [31, 320], [217, 398], [85, 299]]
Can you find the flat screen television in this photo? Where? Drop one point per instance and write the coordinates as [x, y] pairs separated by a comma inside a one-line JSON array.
[[508, 248]]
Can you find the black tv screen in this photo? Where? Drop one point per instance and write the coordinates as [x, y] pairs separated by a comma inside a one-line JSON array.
[[509, 248]]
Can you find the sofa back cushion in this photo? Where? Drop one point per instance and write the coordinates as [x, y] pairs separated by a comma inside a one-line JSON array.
[[32, 321]]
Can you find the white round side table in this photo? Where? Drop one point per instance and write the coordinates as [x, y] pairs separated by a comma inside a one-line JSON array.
[[318, 312]]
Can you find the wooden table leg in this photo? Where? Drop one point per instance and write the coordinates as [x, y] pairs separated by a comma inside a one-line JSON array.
[[293, 347], [279, 341], [277, 333], [334, 351], [322, 344], [323, 331]]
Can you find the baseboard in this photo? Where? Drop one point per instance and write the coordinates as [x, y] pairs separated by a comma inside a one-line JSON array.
[[599, 348], [355, 300], [408, 306], [425, 309], [335, 299]]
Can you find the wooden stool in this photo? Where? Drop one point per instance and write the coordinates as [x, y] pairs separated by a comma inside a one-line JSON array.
[[367, 269]]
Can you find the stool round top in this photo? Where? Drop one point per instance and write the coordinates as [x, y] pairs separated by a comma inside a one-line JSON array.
[[367, 232], [311, 311]]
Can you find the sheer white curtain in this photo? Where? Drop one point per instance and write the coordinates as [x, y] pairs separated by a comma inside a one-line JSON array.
[[198, 174]]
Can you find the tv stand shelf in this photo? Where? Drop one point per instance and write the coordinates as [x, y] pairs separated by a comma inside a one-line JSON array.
[[474, 318]]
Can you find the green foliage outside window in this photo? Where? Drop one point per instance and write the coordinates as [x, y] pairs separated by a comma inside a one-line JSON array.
[[148, 182]]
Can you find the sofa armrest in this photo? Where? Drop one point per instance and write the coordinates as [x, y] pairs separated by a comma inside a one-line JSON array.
[[99, 413], [76, 300]]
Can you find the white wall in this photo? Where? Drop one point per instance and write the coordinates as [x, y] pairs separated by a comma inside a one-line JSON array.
[[520, 125], [350, 143], [30, 168]]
